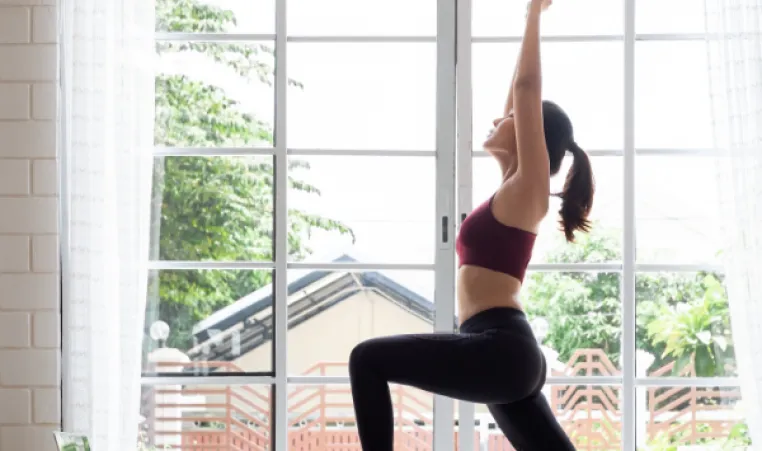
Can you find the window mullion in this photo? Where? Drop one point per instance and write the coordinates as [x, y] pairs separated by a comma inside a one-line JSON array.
[[628, 253], [280, 280], [444, 291], [464, 171]]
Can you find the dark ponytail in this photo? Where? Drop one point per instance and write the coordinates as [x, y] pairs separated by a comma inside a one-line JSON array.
[[577, 196]]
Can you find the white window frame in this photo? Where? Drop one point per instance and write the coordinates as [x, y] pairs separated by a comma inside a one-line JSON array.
[[454, 157], [628, 383]]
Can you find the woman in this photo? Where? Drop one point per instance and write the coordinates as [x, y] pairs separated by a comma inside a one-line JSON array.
[[495, 358]]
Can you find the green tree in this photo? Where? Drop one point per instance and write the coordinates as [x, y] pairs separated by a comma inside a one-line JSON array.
[[583, 310], [214, 208], [697, 328], [679, 316]]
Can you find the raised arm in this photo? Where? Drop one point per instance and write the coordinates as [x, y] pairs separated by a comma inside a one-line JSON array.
[[534, 165], [509, 101]]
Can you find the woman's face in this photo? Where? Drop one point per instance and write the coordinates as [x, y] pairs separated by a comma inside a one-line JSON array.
[[503, 135]]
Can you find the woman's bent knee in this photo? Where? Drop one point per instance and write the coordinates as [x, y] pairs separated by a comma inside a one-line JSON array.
[[361, 357]]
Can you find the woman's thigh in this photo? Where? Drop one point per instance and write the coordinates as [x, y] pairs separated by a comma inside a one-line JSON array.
[[482, 367]]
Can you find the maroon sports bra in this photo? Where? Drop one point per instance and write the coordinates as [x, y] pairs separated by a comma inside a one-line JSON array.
[[484, 241]]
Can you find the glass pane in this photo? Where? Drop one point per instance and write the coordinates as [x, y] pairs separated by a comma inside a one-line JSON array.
[[202, 322], [578, 319], [331, 312], [215, 16], [365, 18], [369, 209], [658, 16], [700, 418], [592, 97], [214, 94], [213, 417], [212, 208], [683, 325], [362, 96], [677, 219], [324, 414], [591, 416], [602, 244], [580, 17], [672, 104]]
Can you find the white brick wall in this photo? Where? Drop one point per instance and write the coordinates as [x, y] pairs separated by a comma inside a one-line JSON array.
[[30, 407]]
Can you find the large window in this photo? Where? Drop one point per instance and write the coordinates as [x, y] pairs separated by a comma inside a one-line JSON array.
[[313, 162]]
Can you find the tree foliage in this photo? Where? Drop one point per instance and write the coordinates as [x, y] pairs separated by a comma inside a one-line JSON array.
[[583, 310], [695, 328], [680, 316], [214, 208]]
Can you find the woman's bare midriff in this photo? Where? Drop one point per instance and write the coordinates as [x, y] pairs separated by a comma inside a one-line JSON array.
[[480, 289]]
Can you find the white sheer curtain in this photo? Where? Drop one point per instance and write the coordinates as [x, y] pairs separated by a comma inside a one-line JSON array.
[[735, 67], [106, 138]]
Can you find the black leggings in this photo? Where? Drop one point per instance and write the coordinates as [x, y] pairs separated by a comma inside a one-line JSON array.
[[494, 360]]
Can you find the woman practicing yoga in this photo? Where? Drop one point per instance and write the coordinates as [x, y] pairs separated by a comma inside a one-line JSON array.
[[495, 358]]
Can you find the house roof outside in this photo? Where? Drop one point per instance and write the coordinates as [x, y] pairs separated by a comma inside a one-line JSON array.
[[252, 315]]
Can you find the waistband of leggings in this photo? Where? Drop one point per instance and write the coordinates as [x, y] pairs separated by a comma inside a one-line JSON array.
[[495, 318]]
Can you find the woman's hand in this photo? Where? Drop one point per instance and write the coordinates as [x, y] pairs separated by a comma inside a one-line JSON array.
[[544, 4]]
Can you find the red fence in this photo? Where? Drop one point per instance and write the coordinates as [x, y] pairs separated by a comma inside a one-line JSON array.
[[237, 418]]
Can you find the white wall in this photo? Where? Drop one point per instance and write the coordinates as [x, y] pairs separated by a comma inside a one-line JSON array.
[[29, 319]]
